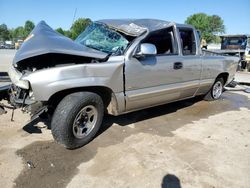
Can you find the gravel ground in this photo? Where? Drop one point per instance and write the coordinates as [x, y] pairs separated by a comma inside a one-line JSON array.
[[191, 143]]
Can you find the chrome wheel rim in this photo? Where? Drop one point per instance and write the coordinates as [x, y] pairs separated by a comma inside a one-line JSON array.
[[85, 121], [217, 90]]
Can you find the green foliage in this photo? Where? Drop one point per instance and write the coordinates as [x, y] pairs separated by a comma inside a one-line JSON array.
[[209, 26], [68, 34], [4, 32], [217, 40], [22, 32], [79, 26], [60, 30], [28, 27], [18, 33]]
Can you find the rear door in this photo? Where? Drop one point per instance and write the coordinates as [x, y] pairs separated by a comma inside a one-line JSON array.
[[191, 60]]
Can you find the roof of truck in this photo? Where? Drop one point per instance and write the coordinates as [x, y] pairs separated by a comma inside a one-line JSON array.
[[136, 27]]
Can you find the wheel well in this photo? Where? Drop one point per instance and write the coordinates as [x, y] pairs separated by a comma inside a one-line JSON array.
[[223, 75], [104, 92]]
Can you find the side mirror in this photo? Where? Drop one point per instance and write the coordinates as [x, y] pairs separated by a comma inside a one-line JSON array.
[[146, 49]]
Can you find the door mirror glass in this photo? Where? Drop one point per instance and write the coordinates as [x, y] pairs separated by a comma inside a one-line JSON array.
[[146, 49]]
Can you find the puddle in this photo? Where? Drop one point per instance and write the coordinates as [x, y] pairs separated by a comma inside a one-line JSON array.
[[54, 166]]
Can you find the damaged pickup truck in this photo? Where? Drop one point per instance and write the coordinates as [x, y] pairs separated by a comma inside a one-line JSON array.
[[114, 66]]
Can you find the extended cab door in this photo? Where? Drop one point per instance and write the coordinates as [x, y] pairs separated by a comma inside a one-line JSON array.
[[191, 59], [164, 77]]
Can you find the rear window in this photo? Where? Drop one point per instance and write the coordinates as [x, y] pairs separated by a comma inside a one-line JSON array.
[[234, 41]]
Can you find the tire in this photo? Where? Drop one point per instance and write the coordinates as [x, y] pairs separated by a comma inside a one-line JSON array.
[[213, 93], [77, 119]]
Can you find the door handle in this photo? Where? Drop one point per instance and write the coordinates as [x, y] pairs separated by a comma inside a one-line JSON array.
[[178, 65]]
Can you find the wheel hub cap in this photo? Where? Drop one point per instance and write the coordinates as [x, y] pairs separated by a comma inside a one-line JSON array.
[[85, 121], [217, 90]]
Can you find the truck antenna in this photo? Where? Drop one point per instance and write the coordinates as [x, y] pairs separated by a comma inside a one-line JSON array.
[[74, 16]]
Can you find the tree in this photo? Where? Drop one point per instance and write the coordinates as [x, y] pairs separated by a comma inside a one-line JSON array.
[[79, 26], [60, 30], [18, 33], [216, 24], [209, 26], [68, 34], [4, 32], [28, 27]]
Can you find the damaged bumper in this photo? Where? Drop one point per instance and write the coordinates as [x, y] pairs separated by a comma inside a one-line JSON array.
[[19, 95], [16, 78], [19, 98]]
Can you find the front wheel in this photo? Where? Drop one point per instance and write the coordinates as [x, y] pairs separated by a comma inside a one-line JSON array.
[[77, 119], [216, 90]]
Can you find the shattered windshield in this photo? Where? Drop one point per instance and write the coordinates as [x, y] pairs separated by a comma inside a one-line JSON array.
[[100, 37]]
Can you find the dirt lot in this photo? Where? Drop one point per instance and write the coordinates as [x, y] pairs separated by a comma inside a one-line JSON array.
[[192, 143]]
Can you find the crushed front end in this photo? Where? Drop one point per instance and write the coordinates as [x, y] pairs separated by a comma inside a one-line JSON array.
[[19, 94], [43, 61]]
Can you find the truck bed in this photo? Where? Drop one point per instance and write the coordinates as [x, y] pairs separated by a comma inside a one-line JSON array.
[[216, 52]]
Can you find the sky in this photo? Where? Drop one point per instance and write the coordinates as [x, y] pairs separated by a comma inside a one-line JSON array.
[[60, 13]]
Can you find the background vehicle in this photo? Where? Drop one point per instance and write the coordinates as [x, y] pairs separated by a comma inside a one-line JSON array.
[[9, 45], [1, 45], [114, 66], [236, 45]]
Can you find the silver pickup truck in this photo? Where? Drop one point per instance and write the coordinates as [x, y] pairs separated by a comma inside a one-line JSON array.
[[114, 66]]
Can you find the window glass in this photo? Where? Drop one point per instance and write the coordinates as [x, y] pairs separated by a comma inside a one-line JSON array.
[[164, 41], [235, 41], [188, 42], [102, 38]]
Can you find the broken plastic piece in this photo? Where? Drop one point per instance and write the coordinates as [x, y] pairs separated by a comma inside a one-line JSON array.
[[2, 110], [30, 164]]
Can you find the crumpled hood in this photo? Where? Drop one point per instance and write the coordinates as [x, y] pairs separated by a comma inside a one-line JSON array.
[[44, 40]]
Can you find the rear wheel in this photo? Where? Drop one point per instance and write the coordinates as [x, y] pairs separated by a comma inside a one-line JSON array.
[[77, 119], [216, 90]]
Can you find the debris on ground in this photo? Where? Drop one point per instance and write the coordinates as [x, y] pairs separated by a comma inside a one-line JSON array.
[[30, 164]]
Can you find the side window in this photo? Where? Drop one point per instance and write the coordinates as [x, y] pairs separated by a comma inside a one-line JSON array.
[[188, 42], [164, 40]]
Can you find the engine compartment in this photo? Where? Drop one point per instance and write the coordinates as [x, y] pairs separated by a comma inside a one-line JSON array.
[[52, 60]]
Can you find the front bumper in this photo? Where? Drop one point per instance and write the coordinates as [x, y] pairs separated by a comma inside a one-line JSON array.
[[19, 95]]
